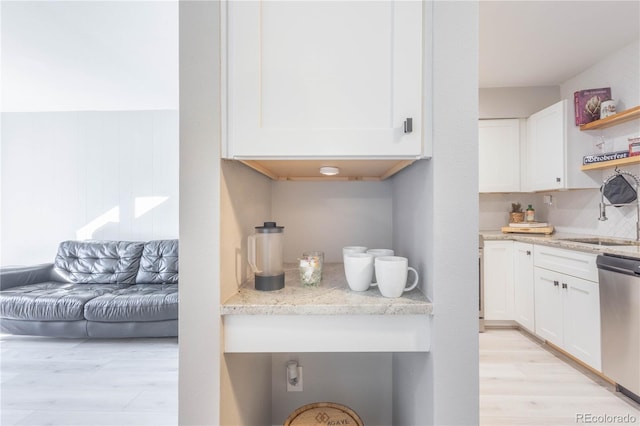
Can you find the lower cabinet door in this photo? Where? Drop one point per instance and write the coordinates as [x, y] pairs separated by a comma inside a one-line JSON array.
[[548, 305], [523, 289], [582, 320], [498, 280]]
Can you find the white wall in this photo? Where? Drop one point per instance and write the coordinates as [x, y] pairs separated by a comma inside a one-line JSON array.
[[89, 55], [328, 216], [86, 175], [436, 214], [361, 381], [200, 204], [89, 137]]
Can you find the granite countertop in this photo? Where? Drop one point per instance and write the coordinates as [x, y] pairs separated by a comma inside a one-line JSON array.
[[332, 297], [559, 239]]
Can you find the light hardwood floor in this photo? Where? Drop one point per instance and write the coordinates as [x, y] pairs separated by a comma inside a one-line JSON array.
[[46, 381], [135, 382], [523, 383]]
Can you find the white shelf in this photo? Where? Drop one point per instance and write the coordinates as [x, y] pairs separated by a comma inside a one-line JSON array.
[[328, 318], [326, 333]]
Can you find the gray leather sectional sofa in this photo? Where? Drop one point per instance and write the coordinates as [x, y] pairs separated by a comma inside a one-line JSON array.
[[102, 289]]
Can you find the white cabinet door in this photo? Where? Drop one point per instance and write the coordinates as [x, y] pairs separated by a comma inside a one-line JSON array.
[[548, 306], [546, 148], [323, 79], [567, 308], [523, 288], [582, 320], [499, 155], [498, 280]]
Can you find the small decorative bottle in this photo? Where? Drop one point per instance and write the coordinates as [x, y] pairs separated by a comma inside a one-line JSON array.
[[531, 214]]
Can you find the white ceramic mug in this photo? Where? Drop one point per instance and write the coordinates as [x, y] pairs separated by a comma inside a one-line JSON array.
[[353, 249], [358, 268], [607, 108], [378, 253], [391, 272]]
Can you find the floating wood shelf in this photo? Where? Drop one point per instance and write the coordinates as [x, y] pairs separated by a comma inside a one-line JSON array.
[[612, 120], [613, 163]]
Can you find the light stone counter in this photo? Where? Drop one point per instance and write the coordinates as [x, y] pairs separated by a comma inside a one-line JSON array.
[[559, 239], [332, 297]]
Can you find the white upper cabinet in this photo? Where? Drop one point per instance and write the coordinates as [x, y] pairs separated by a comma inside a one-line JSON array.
[[553, 161], [546, 148], [499, 155], [325, 79]]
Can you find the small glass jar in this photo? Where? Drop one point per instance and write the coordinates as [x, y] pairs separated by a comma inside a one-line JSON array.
[[310, 266]]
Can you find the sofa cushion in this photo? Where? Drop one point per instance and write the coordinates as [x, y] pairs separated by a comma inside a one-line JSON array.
[[159, 263], [50, 301], [140, 302], [98, 262]]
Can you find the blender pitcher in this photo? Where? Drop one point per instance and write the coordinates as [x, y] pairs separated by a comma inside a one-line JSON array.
[[265, 256]]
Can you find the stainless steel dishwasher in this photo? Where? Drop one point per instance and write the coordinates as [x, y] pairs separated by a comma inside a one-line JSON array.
[[620, 321]]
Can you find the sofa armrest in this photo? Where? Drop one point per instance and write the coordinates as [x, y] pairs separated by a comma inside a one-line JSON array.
[[24, 275]]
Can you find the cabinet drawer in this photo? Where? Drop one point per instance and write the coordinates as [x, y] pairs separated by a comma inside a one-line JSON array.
[[570, 262]]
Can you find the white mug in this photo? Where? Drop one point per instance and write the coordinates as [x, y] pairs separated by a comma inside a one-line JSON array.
[[353, 249], [607, 108], [378, 253], [391, 272], [358, 267]]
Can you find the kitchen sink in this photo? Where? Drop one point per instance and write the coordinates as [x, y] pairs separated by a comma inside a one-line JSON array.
[[603, 241]]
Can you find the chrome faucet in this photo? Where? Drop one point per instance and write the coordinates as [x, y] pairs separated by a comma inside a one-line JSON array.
[[604, 205]]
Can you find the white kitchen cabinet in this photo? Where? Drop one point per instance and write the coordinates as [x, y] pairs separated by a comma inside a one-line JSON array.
[[548, 306], [567, 307], [546, 148], [323, 79], [582, 321], [523, 288], [552, 159], [569, 262], [498, 280], [499, 155]]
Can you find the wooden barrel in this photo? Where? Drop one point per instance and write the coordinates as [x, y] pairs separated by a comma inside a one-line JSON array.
[[325, 414]]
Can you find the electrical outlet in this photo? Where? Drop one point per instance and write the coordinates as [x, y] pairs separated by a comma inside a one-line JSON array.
[[298, 386]]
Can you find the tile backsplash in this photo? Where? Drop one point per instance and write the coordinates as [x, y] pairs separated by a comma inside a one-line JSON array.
[[495, 208], [574, 211]]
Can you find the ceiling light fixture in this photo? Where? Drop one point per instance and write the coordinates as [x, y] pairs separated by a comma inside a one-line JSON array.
[[329, 171]]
